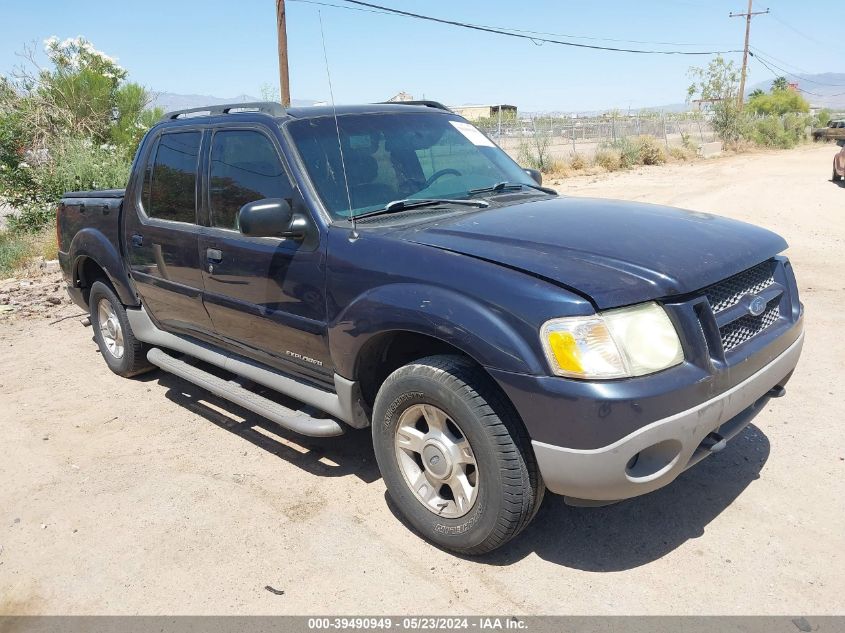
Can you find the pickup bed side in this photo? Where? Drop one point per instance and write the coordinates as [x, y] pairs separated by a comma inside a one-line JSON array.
[[90, 245]]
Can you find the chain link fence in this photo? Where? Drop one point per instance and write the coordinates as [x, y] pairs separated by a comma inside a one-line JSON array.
[[584, 136]]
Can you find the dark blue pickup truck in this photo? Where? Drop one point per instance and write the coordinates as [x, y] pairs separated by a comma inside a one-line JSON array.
[[388, 266]]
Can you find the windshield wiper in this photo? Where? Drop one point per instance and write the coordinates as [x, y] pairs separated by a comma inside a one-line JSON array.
[[413, 203], [510, 186]]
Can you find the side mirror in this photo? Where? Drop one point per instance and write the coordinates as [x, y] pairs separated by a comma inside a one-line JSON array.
[[535, 174], [270, 217]]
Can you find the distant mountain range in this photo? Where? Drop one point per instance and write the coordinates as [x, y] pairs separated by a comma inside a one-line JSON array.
[[171, 101], [823, 90]]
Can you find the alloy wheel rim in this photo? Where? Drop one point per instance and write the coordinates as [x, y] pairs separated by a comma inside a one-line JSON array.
[[110, 328], [436, 461]]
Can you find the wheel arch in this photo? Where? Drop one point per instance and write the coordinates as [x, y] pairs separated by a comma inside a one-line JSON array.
[[396, 324], [95, 257]]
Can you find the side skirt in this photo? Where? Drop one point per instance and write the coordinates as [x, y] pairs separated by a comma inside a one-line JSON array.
[[345, 404]]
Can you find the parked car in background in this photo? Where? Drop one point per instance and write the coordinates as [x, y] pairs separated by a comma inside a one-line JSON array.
[[834, 130], [388, 266]]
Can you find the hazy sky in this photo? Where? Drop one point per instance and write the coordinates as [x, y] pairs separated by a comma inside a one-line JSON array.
[[229, 48]]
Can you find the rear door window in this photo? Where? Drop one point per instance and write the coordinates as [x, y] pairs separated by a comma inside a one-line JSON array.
[[171, 191], [245, 167]]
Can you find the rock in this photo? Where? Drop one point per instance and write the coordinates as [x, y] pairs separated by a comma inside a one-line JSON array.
[[6, 307], [802, 625], [54, 300]]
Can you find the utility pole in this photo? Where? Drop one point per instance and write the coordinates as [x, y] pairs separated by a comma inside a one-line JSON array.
[[284, 79], [747, 15]]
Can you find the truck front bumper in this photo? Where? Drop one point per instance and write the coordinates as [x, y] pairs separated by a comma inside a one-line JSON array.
[[654, 455]]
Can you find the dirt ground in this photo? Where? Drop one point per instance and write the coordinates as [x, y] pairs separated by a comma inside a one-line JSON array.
[[149, 496]]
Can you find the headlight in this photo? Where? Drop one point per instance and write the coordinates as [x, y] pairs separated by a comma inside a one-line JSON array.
[[615, 344]]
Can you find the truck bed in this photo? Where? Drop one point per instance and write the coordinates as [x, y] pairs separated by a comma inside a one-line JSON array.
[[96, 193]]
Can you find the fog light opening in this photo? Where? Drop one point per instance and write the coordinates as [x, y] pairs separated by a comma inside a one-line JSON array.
[[653, 461]]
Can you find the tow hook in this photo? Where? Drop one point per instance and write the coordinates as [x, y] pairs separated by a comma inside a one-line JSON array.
[[777, 392], [714, 442]]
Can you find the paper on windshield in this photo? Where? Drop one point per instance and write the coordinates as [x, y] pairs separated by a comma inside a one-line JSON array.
[[473, 135]]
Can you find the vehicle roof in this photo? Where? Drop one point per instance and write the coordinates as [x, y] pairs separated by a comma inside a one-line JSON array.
[[216, 114], [305, 112]]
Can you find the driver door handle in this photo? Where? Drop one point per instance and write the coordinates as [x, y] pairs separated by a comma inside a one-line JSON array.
[[214, 255]]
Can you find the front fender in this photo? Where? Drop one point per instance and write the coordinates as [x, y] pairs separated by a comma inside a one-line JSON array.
[[93, 244], [479, 331]]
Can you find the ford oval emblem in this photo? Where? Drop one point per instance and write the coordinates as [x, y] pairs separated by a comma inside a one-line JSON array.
[[756, 306]]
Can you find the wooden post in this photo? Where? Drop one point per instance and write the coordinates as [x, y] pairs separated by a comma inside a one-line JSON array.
[[281, 29]]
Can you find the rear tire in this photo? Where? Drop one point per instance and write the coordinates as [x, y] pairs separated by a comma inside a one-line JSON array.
[[836, 177], [441, 420], [124, 354]]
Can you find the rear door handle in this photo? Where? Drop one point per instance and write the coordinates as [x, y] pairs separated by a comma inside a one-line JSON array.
[[214, 255], [137, 240]]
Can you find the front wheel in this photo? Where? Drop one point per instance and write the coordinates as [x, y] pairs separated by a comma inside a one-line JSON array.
[[124, 354], [836, 177], [454, 455]]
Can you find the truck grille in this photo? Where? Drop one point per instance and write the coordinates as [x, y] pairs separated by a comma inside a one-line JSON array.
[[730, 292], [737, 332]]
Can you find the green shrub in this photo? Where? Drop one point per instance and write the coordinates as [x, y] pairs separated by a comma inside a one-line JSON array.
[[629, 152], [778, 102], [822, 118], [74, 124], [14, 251], [779, 131]]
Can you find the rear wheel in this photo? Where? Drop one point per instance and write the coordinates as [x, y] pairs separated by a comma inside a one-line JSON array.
[[454, 455], [836, 177], [124, 354]]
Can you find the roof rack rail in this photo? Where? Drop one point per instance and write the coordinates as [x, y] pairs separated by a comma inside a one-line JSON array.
[[423, 102], [267, 107]]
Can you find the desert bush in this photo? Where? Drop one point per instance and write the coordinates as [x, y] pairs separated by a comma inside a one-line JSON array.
[[650, 151], [577, 162], [629, 152], [609, 159], [681, 153]]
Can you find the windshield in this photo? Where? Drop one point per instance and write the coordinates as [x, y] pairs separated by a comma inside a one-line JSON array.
[[398, 156]]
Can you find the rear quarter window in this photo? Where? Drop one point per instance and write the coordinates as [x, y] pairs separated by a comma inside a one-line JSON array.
[[170, 183]]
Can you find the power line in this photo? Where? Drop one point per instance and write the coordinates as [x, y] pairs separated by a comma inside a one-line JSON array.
[[536, 40], [804, 35], [759, 50], [774, 74], [509, 29], [800, 78]]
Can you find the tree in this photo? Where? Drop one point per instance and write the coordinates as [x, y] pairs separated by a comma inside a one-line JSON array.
[[779, 102], [84, 94], [756, 93], [718, 83], [780, 84]]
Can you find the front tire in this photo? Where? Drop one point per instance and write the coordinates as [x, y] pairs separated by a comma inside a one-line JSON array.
[[454, 455], [836, 177], [124, 354]]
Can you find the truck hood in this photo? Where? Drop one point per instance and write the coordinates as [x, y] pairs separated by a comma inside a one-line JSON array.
[[616, 253]]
